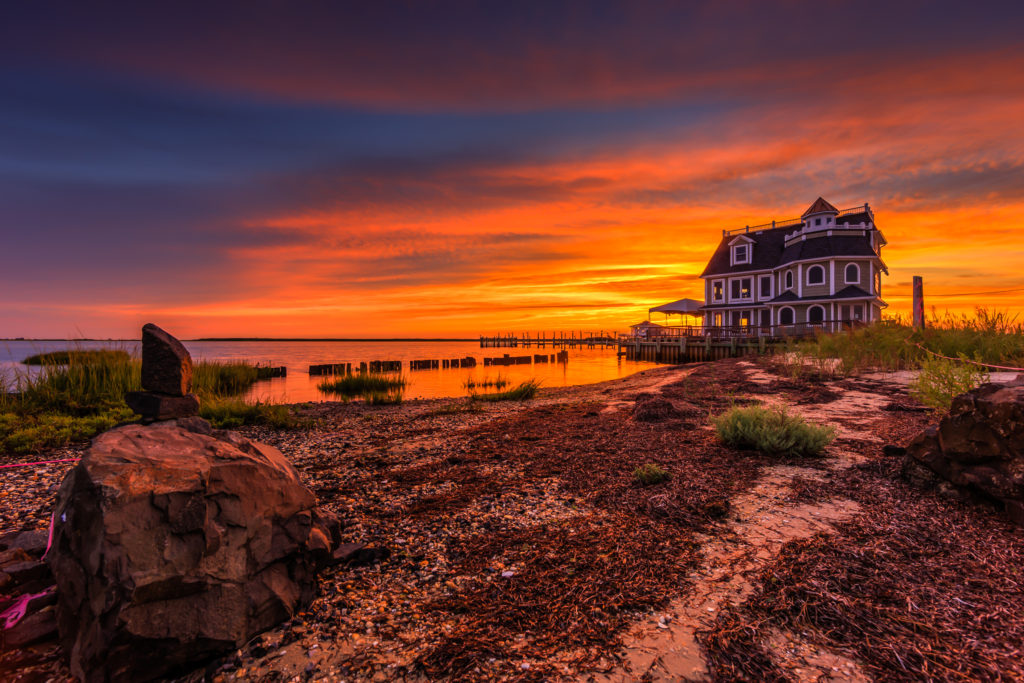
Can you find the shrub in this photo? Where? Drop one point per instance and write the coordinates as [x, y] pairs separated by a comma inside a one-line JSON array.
[[942, 380], [524, 392], [650, 474], [772, 431]]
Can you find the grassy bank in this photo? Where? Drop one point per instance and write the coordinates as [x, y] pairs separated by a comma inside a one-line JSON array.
[[77, 394], [950, 352], [987, 337]]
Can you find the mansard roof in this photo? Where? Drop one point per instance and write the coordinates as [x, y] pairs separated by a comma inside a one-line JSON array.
[[770, 251], [826, 247], [819, 206], [768, 246]]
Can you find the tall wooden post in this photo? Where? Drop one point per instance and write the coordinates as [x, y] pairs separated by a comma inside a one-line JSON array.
[[918, 302]]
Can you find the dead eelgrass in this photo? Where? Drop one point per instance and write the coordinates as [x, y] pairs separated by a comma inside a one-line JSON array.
[[735, 653], [921, 588], [571, 587]]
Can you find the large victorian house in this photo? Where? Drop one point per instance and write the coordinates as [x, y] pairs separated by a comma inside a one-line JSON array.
[[823, 270]]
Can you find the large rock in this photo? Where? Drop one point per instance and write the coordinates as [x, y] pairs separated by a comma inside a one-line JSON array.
[[166, 364], [152, 406], [172, 546], [978, 447]]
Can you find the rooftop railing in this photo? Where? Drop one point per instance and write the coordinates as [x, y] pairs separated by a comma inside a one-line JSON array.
[[790, 222]]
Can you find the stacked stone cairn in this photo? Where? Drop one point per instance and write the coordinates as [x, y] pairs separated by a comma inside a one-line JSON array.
[[166, 379], [174, 543]]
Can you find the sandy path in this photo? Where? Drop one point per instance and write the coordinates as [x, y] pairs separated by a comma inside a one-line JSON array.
[[665, 648]]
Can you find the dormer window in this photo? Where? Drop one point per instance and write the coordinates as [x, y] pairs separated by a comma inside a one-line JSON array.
[[741, 254]]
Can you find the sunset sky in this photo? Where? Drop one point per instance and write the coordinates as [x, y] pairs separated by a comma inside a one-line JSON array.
[[441, 169]]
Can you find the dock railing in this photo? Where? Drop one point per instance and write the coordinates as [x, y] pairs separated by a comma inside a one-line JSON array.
[[715, 332]]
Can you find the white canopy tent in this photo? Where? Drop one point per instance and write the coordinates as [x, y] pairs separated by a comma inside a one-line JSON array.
[[681, 307]]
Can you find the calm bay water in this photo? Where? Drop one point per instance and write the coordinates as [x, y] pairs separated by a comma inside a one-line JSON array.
[[584, 367]]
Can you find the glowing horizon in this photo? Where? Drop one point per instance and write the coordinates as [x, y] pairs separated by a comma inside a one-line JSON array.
[[448, 173]]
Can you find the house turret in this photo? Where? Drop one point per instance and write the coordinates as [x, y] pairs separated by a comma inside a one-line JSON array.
[[820, 215]]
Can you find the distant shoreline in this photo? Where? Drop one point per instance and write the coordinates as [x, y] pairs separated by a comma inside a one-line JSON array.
[[265, 339]]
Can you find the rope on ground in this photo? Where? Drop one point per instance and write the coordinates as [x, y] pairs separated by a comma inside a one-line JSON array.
[[962, 360]]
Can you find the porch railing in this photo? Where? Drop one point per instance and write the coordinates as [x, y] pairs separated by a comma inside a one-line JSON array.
[[676, 333]]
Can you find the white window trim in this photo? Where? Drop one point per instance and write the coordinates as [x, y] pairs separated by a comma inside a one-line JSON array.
[[749, 257], [741, 299], [771, 287], [722, 298], [846, 270], [788, 280], [808, 275], [824, 313]]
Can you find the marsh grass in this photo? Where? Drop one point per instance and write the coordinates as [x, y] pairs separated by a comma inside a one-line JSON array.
[[362, 384], [226, 412], [942, 380], [988, 336], [77, 356], [772, 431], [77, 399], [500, 382], [524, 392]]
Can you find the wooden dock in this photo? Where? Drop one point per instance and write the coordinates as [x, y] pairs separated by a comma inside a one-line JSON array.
[[697, 343], [564, 340]]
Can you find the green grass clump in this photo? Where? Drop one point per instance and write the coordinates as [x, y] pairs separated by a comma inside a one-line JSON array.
[[523, 392], [363, 384], [232, 413], [77, 356], [650, 474], [486, 383], [772, 431], [942, 380]]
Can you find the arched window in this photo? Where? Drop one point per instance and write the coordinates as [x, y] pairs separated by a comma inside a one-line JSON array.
[[816, 275], [786, 315], [815, 314], [789, 279], [852, 274]]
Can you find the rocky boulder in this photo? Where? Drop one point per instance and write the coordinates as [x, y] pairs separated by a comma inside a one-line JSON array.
[[166, 364], [978, 447], [173, 544]]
